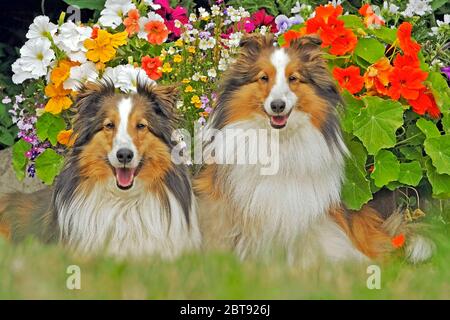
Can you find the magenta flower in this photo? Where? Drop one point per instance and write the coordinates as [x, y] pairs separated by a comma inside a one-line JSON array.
[[446, 70], [170, 14], [261, 18]]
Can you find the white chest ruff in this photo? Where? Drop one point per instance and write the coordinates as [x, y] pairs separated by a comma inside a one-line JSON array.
[[292, 205], [122, 224]]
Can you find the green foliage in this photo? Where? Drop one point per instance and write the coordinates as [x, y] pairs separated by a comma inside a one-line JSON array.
[[19, 159], [48, 166], [386, 168], [410, 173], [356, 189], [87, 4], [369, 49], [438, 148], [48, 126], [377, 123], [8, 130]]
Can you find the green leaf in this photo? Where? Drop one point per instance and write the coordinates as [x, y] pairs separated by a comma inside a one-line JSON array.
[[436, 4], [446, 121], [49, 165], [352, 108], [376, 124], [428, 128], [438, 149], [440, 183], [412, 153], [352, 21], [87, 4], [439, 86], [6, 137], [410, 173], [48, 126], [385, 34], [356, 189], [369, 49], [386, 168], [19, 160], [393, 185]]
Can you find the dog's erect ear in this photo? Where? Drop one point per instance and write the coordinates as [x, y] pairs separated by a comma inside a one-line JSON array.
[[163, 99], [254, 43], [89, 96], [308, 47]]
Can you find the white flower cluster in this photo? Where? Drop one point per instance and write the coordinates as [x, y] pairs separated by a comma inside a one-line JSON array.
[[442, 25], [417, 7], [115, 10], [236, 15]]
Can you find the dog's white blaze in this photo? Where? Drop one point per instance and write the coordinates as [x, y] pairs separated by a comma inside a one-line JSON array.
[[280, 90], [288, 209], [123, 138], [126, 224]]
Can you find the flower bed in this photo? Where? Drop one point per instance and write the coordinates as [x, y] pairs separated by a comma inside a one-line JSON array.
[[396, 118]]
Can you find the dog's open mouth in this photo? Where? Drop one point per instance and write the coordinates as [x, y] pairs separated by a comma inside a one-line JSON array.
[[278, 122], [125, 177]]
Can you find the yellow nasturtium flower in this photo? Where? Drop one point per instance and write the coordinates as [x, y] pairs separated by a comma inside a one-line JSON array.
[[177, 58], [65, 138], [103, 48], [59, 99]]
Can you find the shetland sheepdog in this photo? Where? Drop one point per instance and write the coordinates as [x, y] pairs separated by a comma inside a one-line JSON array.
[[298, 210], [119, 193]]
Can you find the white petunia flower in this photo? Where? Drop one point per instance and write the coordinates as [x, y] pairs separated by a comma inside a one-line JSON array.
[[41, 28], [392, 8], [215, 11], [154, 6], [115, 10], [212, 73], [417, 7], [70, 39], [80, 75], [126, 77], [36, 57]]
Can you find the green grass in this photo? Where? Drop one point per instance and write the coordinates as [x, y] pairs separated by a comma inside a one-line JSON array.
[[34, 271]]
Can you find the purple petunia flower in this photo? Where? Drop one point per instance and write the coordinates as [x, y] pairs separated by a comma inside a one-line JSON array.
[[446, 70], [283, 23]]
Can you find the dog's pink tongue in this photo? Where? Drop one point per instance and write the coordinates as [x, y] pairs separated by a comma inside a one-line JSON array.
[[125, 177], [279, 120]]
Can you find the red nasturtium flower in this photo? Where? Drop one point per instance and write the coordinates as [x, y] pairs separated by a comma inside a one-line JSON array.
[[291, 35], [369, 16], [132, 22], [401, 61], [157, 32], [376, 78], [425, 103], [344, 43], [94, 33], [406, 82], [408, 46], [152, 66], [349, 78], [398, 241], [332, 30]]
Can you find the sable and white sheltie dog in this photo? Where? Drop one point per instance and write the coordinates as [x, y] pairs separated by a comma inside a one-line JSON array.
[[119, 192], [298, 210]]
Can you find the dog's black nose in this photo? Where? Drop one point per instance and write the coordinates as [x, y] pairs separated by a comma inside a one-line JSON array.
[[278, 105], [124, 155]]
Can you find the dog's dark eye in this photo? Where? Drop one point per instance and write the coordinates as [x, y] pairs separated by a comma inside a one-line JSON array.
[[264, 78], [141, 126], [109, 126], [293, 78]]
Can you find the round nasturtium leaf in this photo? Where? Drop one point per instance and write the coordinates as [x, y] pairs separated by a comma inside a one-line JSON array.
[[377, 123], [438, 148], [386, 168], [410, 173]]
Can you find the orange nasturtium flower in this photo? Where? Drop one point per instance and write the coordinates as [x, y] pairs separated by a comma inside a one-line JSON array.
[[152, 66], [344, 43], [65, 138], [406, 82], [398, 241], [408, 46], [376, 77], [291, 35], [349, 78], [369, 16], [103, 48], [59, 99], [132, 22], [62, 72], [425, 103], [325, 12], [157, 32]]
